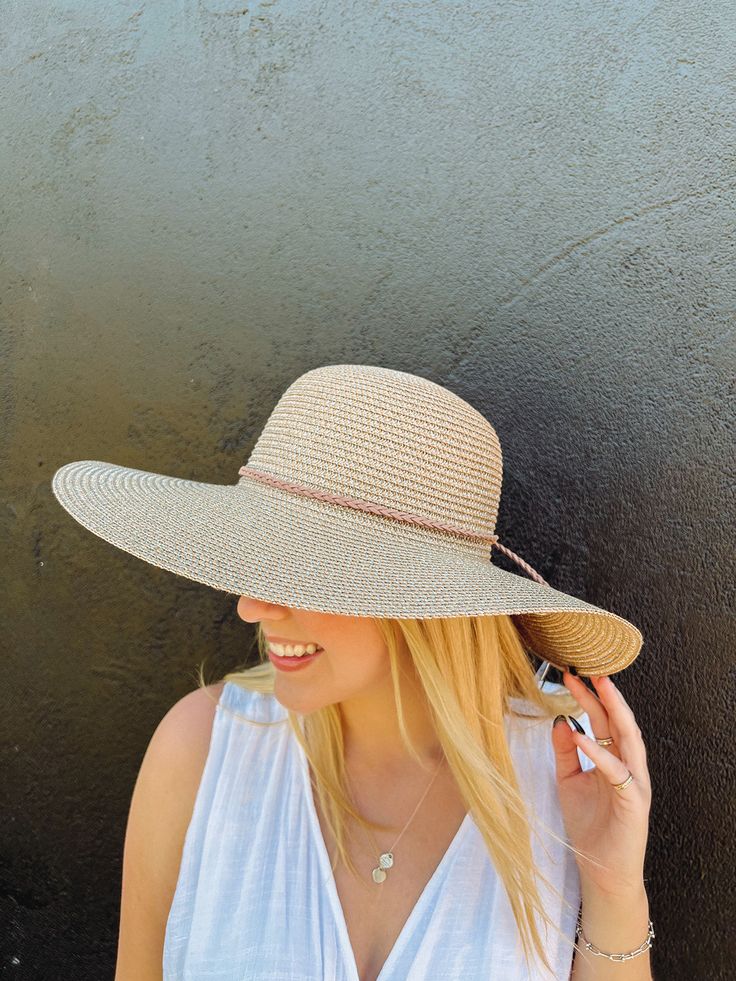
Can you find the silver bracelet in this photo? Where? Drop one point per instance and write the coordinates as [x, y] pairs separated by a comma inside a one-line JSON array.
[[614, 957]]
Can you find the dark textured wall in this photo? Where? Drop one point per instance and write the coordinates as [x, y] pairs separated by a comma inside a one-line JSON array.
[[531, 204]]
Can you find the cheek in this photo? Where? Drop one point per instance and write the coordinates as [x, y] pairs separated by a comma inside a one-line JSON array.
[[356, 671]]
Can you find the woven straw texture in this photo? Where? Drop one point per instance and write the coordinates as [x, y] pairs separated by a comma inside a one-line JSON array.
[[395, 440]]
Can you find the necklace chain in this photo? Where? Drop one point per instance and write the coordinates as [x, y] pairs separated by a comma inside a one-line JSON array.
[[386, 859]]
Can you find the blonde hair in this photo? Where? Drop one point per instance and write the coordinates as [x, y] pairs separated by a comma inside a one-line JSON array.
[[469, 668]]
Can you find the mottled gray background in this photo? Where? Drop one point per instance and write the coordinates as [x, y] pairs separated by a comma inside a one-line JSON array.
[[532, 204]]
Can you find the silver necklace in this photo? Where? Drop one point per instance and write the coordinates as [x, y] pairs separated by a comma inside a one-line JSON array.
[[386, 859]]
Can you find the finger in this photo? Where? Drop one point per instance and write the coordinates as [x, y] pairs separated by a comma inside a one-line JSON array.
[[628, 735], [600, 723], [567, 761], [614, 769]]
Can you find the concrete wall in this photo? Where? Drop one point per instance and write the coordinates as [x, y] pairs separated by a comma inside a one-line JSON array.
[[532, 204]]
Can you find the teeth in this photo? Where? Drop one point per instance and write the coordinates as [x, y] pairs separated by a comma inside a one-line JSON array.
[[293, 650]]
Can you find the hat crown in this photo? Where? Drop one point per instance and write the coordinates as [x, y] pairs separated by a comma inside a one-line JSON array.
[[388, 437]]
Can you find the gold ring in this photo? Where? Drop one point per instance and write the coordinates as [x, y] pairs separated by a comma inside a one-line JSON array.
[[605, 742], [625, 784]]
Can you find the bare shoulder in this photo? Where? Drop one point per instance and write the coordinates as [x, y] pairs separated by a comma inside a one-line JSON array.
[[186, 728], [177, 751], [160, 812], [176, 755]]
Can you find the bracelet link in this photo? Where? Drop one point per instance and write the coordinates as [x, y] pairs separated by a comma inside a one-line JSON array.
[[642, 948]]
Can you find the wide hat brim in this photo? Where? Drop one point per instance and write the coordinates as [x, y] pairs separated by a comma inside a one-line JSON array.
[[269, 544]]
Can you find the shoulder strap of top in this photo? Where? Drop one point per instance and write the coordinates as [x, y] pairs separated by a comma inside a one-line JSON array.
[[237, 701]]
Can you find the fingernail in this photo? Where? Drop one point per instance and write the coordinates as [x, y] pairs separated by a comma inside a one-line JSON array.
[[576, 724], [558, 718]]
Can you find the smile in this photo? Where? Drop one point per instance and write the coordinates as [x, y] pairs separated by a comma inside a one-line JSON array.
[[293, 650], [293, 662]]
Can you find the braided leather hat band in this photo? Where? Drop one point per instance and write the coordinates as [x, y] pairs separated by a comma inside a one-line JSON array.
[[370, 508]]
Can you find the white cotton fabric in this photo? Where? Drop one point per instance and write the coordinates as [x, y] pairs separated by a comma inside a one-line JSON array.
[[256, 898]]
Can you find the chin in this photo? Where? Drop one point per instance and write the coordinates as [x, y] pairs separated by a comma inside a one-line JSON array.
[[296, 701]]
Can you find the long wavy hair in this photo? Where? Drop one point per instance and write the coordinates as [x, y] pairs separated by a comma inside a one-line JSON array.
[[469, 668]]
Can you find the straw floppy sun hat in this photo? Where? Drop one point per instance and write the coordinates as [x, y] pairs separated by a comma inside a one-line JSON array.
[[370, 492]]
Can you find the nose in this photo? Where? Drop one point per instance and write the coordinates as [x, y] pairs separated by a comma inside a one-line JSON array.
[[253, 610]]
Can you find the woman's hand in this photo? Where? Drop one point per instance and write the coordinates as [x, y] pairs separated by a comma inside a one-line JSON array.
[[609, 826]]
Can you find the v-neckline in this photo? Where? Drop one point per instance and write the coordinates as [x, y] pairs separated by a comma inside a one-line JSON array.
[[329, 879]]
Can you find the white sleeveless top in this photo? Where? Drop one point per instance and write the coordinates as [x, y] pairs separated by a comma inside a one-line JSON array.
[[256, 898]]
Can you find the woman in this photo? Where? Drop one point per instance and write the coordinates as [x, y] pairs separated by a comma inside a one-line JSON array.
[[385, 801]]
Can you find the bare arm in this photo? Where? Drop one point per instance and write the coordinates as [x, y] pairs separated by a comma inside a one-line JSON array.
[[606, 814], [160, 811]]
